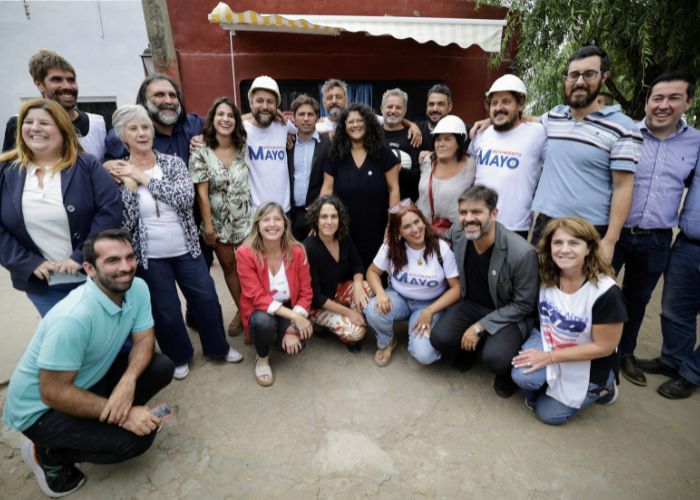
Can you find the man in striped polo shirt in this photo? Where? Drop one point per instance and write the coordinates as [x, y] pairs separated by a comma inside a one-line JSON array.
[[592, 153]]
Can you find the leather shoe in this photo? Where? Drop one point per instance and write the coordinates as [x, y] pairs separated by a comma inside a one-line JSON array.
[[504, 386], [630, 370], [657, 367], [676, 388]]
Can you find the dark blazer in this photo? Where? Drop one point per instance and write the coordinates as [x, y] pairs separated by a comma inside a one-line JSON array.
[[321, 153], [513, 278], [92, 203]]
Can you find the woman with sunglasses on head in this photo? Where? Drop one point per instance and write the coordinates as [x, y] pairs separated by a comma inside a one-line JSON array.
[[275, 288], [424, 281], [220, 173], [571, 362], [364, 174], [337, 273]]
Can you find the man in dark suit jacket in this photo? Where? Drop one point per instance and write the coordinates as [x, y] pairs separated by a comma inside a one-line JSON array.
[[306, 160], [498, 274]]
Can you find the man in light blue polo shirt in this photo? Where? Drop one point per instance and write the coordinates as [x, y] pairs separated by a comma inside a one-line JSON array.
[[592, 153], [73, 393]]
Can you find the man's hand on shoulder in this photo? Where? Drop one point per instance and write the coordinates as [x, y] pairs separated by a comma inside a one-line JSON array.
[[141, 421], [197, 141], [118, 406]]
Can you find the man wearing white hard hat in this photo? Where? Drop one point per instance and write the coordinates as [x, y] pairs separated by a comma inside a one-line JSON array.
[[268, 175], [508, 155]]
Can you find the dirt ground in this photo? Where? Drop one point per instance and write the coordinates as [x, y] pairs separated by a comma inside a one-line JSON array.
[[335, 426]]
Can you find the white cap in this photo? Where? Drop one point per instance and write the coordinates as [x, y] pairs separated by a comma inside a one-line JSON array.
[[450, 124], [507, 83], [265, 83]]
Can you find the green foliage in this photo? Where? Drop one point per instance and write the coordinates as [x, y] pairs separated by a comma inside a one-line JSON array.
[[643, 38]]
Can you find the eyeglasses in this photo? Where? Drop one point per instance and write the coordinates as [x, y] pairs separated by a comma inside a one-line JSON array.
[[406, 202], [587, 75]]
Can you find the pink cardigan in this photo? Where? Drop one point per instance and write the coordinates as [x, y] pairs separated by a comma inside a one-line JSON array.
[[255, 282]]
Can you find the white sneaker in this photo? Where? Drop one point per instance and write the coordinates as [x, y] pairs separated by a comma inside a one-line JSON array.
[[233, 356], [181, 372]]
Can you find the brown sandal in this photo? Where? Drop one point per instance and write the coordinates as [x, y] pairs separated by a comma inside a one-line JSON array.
[[383, 356], [235, 327]]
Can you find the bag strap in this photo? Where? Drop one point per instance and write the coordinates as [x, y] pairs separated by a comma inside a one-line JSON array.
[[430, 193]]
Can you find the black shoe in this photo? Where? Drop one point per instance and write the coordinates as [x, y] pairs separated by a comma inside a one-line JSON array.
[[504, 386], [189, 320], [54, 481], [630, 370], [354, 347], [463, 361], [656, 366], [612, 393], [677, 388]]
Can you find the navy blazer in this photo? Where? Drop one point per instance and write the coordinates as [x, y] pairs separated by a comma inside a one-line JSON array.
[[92, 202], [322, 151]]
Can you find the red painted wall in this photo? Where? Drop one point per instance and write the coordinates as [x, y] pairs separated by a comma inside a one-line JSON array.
[[205, 63]]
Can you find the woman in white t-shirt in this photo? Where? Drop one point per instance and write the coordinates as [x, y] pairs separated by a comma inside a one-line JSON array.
[[424, 281], [158, 195], [571, 362]]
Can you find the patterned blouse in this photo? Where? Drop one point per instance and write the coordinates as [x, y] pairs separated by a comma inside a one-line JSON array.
[[229, 194], [174, 189]]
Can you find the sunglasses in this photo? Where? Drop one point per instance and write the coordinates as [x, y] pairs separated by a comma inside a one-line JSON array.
[[406, 202]]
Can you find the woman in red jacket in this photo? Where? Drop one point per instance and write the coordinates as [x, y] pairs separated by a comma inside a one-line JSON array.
[[275, 288]]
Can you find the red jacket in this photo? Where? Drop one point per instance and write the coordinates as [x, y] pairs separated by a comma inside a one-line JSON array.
[[255, 282]]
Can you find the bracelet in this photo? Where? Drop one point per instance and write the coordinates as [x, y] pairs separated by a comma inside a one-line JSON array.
[[551, 359]]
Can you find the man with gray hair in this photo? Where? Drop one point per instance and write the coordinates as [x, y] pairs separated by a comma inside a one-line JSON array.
[[334, 95], [394, 106]]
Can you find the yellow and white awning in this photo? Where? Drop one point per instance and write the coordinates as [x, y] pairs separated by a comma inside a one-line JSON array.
[[486, 33]]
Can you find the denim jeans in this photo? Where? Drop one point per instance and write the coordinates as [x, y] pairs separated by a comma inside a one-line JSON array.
[[192, 276], [64, 439], [534, 385], [402, 309], [680, 305], [644, 257], [55, 294]]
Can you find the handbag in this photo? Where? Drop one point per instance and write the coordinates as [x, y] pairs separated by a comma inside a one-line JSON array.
[[439, 224]]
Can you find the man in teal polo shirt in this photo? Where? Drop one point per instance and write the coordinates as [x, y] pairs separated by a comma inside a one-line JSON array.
[[74, 394]]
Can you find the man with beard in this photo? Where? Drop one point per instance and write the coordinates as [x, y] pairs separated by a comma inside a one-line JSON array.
[[55, 79], [74, 393], [592, 154], [174, 127], [508, 155], [498, 274], [394, 105], [268, 174], [438, 105]]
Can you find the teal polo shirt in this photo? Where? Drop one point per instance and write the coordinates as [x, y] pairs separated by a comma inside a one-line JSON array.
[[84, 332]]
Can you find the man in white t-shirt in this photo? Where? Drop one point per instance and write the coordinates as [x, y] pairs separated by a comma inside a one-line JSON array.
[[508, 155], [268, 175]]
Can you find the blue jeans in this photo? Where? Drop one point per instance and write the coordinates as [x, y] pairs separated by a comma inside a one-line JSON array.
[[52, 296], [644, 257], [192, 276], [680, 305], [534, 385], [402, 309]]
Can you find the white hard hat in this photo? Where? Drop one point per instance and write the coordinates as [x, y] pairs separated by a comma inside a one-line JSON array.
[[450, 124], [265, 83], [507, 83]]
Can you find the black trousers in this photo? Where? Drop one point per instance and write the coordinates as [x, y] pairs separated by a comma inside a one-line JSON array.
[[64, 439], [497, 348], [267, 330], [541, 222], [300, 229]]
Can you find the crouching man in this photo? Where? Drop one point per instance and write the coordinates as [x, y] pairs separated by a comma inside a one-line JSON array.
[[75, 394]]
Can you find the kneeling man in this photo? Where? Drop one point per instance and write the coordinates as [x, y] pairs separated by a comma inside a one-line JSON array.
[[75, 394], [498, 274]]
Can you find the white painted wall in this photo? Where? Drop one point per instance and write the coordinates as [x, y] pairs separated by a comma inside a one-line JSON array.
[[105, 56]]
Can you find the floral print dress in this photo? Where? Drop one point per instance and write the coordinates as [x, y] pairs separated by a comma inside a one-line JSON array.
[[229, 194]]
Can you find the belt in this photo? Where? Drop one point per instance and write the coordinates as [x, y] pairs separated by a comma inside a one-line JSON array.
[[639, 230]]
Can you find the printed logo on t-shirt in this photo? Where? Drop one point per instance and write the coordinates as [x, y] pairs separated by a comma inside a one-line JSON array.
[[415, 279], [273, 153], [560, 329], [498, 158]]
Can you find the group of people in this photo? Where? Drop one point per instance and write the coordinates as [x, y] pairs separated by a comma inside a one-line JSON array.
[[343, 224]]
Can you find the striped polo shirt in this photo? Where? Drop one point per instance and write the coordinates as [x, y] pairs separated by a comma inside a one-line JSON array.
[[581, 155]]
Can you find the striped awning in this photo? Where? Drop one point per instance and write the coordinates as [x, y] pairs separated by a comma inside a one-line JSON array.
[[486, 33]]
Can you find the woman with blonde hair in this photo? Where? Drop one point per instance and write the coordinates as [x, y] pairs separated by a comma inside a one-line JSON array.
[[275, 288], [572, 361], [52, 197]]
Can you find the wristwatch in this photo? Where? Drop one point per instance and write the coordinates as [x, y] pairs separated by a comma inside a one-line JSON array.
[[479, 331]]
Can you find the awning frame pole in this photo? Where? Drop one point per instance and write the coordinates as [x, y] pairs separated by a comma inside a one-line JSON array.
[[233, 69]]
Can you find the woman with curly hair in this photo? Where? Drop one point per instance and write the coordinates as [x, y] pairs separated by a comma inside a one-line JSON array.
[[337, 273], [571, 362], [364, 174], [220, 173], [275, 288], [424, 281]]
